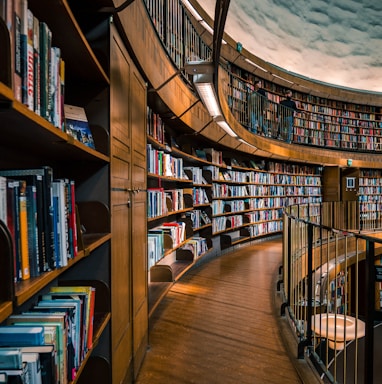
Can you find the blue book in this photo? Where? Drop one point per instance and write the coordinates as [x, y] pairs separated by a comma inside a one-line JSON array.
[[14, 335], [10, 358]]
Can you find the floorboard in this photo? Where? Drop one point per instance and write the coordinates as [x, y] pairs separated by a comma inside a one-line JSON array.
[[218, 324]]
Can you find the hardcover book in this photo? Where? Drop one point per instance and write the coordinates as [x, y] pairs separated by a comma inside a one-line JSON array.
[[76, 125]]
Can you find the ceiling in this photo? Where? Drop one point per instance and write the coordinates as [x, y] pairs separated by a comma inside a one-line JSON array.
[[337, 42]]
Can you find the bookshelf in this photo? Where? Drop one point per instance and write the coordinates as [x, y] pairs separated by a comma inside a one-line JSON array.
[[110, 184], [324, 122], [241, 198]]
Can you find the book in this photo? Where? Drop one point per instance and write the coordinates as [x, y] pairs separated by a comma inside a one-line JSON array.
[[23, 230], [76, 125], [17, 25], [10, 358], [66, 301], [13, 222], [60, 222], [43, 177], [45, 45], [47, 356], [3, 199], [30, 62], [33, 243], [36, 65], [34, 368], [13, 335], [55, 323], [86, 327], [16, 376]]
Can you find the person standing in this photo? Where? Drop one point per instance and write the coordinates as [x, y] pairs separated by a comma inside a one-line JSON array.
[[288, 113], [256, 106]]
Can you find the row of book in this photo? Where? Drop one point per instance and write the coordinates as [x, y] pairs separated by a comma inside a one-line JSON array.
[[40, 214], [39, 71], [199, 218], [163, 164], [37, 67], [197, 246], [48, 343], [155, 126], [168, 235]]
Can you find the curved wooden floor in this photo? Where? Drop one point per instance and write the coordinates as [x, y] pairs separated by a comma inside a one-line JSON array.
[[220, 324]]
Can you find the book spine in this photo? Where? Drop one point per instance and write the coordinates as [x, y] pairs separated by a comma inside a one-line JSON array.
[[33, 247], [17, 75], [36, 67], [24, 50], [3, 199], [24, 248], [45, 41], [30, 62]]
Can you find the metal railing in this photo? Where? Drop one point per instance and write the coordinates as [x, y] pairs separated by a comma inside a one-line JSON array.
[[332, 276]]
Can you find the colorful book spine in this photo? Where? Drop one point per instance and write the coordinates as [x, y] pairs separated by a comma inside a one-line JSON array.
[[24, 248]]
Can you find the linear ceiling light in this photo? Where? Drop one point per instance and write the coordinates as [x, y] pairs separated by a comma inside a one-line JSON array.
[[255, 65], [207, 93], [223, 124], [192, 10], [202, 72]]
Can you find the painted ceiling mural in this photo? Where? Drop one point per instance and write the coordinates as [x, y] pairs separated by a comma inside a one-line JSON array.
[[337, 42]]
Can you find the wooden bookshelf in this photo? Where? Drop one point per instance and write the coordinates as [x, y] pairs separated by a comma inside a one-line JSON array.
[[110, 185]]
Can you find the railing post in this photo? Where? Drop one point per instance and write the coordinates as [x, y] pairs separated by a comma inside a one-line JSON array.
[[289, 253], [307, 341], [370, 303]]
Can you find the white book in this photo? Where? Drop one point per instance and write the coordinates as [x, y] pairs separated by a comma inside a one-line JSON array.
[[34, 368], [58, 193], [3, 199]]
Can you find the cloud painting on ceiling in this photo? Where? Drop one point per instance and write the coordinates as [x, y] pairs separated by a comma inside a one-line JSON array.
[[338, 41]]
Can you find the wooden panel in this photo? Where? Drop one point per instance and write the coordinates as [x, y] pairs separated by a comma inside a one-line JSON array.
[[121, 287], [331, 184], [119, 94], [121, 284], [139, 215]]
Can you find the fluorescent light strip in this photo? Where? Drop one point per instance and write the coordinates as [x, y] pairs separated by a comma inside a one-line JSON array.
[[226, 127], [207, 94], [192, 10], [255, 65], [204, 24], [244, 142], [281, 78]]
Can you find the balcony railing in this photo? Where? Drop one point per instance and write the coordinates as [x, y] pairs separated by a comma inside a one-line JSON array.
[[332, 276]]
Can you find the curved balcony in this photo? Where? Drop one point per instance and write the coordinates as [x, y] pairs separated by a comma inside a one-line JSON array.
[[173, 96], [331, 284]]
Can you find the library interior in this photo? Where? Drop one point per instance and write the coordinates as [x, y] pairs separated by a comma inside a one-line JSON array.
[[176, 208]]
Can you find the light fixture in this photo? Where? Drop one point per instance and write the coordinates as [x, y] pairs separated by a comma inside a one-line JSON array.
[[255, 65], [281, 78], [192, 10], [207, 93], [223, 124], [202, 72], [246, 143]]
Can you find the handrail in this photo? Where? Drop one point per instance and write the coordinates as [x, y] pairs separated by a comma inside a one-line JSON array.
[[331, 288]]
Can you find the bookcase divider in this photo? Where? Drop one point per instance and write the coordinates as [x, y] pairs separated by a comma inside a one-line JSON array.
[[6, 270], [94, 217], [5, 58]]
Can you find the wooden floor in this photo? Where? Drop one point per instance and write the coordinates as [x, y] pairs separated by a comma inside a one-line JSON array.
[[220, 324]]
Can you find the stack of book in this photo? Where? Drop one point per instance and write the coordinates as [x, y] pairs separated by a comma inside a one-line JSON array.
[[48, 343]]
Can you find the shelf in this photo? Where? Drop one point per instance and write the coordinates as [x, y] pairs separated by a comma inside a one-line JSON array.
[[27, 289], [72, 43], [40, 137], [6, 309]]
